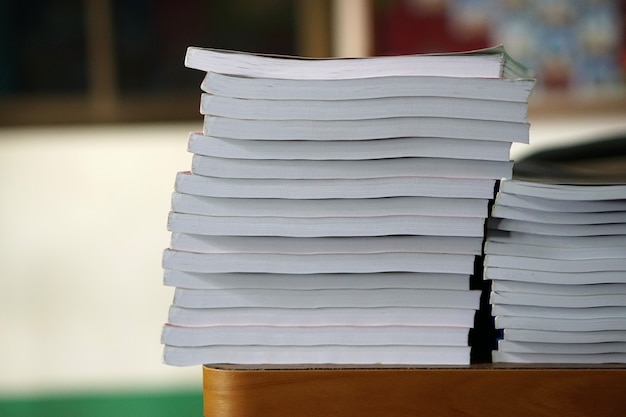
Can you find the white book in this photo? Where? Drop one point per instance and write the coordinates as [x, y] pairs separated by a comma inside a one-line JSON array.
[[573, 278], [561, 348], [485, 63], [555, 265], [340, 316], [559, 336], [405, 297], [589, 245], [392, 127], [557, 229], [553, 252], [572, 193], [557, 289], [325, 226], [329, 354], [413, 280], [318, 263], [433, 147], [188, 183], [559, 206], [593, 358], [352, 169], [558, 312], [554, 300], [321, 245], [561, 325], [336, 207], [314, 335], [364, 88], [363, 109], [540, 216]]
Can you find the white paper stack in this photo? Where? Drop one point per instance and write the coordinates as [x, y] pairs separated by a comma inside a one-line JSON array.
[[335, 208], [556, 255]]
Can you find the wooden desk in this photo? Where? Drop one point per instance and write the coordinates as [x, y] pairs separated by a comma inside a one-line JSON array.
[[477, 390]]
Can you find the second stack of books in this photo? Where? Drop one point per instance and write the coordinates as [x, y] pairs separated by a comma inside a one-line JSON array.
[[335, 208], [556, 255]]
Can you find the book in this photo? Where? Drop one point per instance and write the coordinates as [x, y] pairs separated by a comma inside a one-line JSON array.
[[558, 312], [367, 129], [351, 169], [541, 216], [486, 63], [384, 297], [280, 263], [319, 245], [567, 230], [309, 355], [363, 109], [334, 207], [561, 348], [233, 280], [592, 358], [585, 325], [267, 336], [502, 89], [555, 300], [568, 192], [555, 265], [325, 226], [606, 250], [434, 147], [326, 316], [581, 246], [561, 336], [188, 183], [558, 206], [526, 275], [557, 289]]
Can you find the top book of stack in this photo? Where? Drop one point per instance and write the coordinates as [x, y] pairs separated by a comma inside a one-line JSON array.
[[484, 63]]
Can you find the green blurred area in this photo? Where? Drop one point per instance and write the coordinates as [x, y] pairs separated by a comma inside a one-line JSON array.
[[109, 404]]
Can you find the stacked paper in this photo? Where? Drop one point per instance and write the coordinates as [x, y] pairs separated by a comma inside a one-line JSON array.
[[556, 255], [335, 208]]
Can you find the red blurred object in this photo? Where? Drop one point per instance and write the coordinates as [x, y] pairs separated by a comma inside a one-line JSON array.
[[413, 26]]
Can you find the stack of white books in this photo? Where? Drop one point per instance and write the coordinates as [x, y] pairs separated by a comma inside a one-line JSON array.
[[335, 208], [556, 255]]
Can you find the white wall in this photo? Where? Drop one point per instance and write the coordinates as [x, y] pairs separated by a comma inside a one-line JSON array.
[[83, 223]]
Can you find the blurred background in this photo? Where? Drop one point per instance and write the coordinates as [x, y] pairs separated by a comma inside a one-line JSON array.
[[95, 108]]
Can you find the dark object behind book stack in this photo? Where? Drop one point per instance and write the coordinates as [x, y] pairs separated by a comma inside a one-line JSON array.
[[597, 161]]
